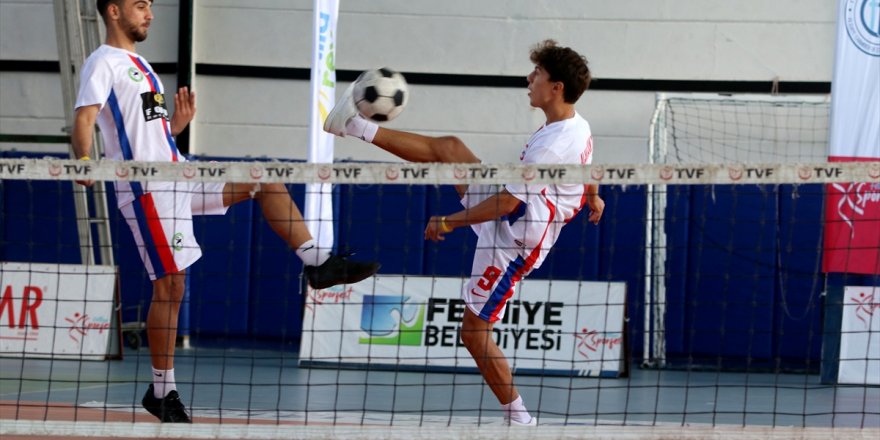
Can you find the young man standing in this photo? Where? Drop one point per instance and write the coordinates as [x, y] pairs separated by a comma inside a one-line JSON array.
[[516, 224], [120, 90]]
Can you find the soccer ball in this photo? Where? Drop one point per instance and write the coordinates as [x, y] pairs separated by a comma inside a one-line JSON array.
[[380, 94]]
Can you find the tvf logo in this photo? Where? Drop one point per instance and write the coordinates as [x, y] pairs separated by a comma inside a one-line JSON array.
[[80, 324], [392, 320], [591, 341]]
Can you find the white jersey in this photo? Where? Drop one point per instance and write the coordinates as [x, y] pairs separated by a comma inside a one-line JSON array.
[[546, 208], [134, 119], [511, 247]]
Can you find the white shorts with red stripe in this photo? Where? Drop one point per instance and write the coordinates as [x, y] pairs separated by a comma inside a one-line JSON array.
[[161, 223], [498, 262]]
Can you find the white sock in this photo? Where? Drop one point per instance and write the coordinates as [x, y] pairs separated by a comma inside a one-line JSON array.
[[311, 255], [163, 382], [516, 410], [361, 128]]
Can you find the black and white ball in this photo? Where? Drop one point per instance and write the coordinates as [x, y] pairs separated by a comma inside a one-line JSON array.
[[380, 94]]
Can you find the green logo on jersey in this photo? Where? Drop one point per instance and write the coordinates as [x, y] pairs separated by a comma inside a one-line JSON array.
[[177, 241], [135, 74]]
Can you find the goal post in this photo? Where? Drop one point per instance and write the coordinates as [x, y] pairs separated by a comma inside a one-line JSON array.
[[711, 128]]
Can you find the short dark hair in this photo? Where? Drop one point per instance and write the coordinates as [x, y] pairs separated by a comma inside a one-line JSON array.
[[103, 4], [565, 65]]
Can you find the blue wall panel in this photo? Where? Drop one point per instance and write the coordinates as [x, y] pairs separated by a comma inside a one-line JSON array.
[[676, 226], [219, 282], [384, 223], [731, 273], [276, 303], [743, 285], [798, 311], [33, 229]]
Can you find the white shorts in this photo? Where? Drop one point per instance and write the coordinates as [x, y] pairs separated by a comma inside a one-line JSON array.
[[161, 223], [498, 262]]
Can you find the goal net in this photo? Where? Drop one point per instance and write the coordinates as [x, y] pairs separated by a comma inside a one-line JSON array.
[[774, 224]]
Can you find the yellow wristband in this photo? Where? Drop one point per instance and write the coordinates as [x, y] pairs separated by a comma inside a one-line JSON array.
[[85, 158], [443, 226]]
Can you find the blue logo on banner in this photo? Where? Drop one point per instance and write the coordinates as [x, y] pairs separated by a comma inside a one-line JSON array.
[[391, 320], [862, 21]]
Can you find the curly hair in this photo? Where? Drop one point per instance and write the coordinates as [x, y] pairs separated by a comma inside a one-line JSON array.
[[564, 65]]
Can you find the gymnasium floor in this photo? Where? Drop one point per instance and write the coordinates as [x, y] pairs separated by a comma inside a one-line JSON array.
[[266, 387]]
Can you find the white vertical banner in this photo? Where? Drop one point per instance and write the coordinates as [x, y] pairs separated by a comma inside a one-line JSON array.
[[318, 211], [855, 86], [852, 210]]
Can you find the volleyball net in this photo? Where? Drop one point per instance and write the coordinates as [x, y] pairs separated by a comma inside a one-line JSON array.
[[749, 336]]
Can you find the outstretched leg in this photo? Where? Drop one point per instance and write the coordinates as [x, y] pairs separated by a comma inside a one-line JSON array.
[[344, 120], [322, 268], [418, 148], [278, 208]]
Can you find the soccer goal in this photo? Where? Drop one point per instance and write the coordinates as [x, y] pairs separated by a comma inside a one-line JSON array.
[[743, 131]]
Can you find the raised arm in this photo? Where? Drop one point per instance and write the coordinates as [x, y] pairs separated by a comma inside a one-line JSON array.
[[184, 110]]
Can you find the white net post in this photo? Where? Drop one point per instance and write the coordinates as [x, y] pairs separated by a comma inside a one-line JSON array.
[[655, 287]]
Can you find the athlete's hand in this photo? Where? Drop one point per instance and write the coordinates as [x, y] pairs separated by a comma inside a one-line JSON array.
[[597, 207], [86, 183], [435, 229], [184, 110]]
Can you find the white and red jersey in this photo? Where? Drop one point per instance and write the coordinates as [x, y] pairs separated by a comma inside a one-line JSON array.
[[511, 247], [546, 208], [134, 118]]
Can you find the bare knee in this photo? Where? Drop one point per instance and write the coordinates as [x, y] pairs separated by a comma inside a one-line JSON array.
[[474, 331], [264, 190], [170, 288], [469, 336], [451, 149], [238, 192]]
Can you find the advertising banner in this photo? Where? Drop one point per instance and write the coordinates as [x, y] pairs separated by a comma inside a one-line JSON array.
[[568, 328], [860, 336], [852, 210], [56, 310]]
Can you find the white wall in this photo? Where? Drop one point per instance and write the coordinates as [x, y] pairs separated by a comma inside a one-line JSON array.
[[749, 40], [31, 103]]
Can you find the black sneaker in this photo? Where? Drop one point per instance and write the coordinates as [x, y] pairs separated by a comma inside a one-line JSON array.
[[169, 409], [338, 269]]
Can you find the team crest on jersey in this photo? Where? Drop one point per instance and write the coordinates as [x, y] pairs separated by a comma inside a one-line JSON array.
[[177, 242], [154, 106], [135, 74]]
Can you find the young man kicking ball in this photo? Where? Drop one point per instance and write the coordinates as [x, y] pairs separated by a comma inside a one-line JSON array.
[[516, 224], [124, 95]]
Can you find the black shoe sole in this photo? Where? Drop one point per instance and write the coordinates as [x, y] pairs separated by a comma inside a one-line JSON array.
[[350, 280]]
